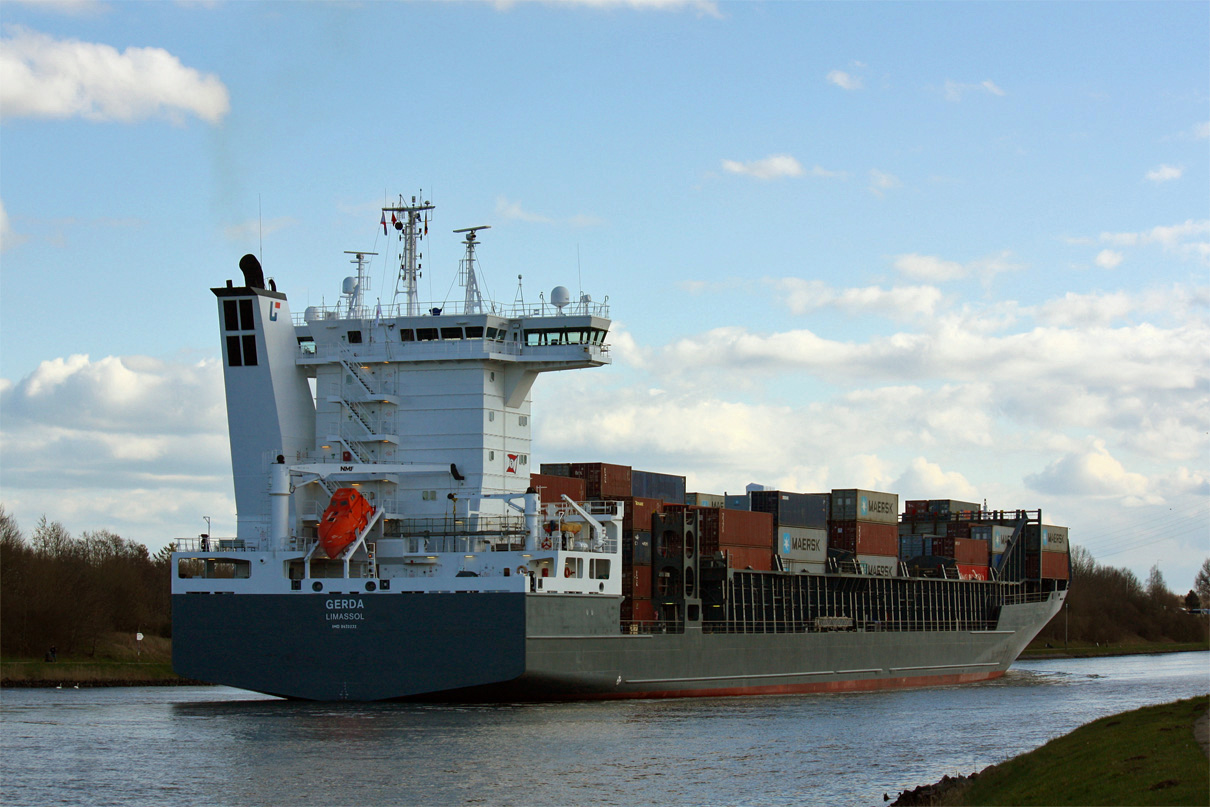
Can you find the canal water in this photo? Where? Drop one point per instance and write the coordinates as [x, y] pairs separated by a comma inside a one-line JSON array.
[[220, 746]]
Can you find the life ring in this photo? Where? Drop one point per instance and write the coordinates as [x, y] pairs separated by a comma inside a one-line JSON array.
[[567, 571], [520, 570], [546, 542]]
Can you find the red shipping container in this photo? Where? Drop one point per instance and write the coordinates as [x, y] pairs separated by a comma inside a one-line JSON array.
[[958, 529], [638, 512], [721, 527], [602, 479], [642, 611], [640, 582], [970, 551], [864, 538], [1054, 565], [551, 488], [743, 557], [967, 571], [915, 506]]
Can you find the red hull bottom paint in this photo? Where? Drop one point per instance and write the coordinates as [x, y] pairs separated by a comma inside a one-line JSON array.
[[860, 685]]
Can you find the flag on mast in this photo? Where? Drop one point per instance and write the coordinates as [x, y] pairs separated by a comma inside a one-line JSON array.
[[384, 222]]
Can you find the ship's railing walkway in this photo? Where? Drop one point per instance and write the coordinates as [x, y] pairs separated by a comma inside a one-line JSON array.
[[372, 313]]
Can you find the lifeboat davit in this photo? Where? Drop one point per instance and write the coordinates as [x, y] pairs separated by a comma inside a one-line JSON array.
[[346, 516]]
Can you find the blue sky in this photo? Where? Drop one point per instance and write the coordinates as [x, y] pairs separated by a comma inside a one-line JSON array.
[[945, 250]]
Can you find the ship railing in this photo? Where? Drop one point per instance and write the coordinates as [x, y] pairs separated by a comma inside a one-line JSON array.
[[208, 544], [651, 626], [756, 625], [375, 313]]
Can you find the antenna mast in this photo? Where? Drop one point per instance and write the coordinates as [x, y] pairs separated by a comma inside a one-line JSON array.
[[362, 284], [411, 225], [474, 300]]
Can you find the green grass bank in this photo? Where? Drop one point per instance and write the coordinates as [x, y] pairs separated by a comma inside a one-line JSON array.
[[1149, 756]]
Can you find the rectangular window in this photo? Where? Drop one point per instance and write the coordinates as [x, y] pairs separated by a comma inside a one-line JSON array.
[[598, 568], [306, 345], [492, 333], [428, 495], [249, 349], [354, 337], [246, 322], [426, 334], [451, 333], [474, 332], [230, 316], [407, 335], [233, 352]]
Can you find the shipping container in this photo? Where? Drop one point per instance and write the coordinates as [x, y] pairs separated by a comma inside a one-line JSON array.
[[637, 512], [642, 610], [552, 487], [651, 485], [748, 557], [880, 565], [1053, 539], [948, 508], [996, 535], [871, 506], [913, 546], [555, 468], [801, 544], [705, 499], [636, 548], [1055, 566], [916, 507], [793, 509], [967, 571], [864, 538], [736, 501], [602, 480], [721, 527]]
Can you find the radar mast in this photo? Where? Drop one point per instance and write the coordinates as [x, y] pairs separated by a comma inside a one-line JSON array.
[[474, 300], [412, 226]]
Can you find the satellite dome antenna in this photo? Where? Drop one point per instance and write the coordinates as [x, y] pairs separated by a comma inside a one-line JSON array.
[[466, 272], [559, 297], [360, 284]]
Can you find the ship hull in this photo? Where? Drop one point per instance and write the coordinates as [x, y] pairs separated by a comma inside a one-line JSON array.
[[524, 647]]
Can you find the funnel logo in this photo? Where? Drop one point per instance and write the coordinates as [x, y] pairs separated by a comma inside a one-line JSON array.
[[273, 311], [512, 463]]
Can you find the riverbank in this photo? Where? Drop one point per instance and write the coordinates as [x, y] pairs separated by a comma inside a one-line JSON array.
[[1154, 755], [1040, 649]]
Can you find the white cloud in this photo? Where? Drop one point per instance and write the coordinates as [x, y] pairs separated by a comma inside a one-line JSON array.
[[704, 8], [133, 444], [1190, 238], [1108, 259], [899, 302], [844, 80], [8, 238], [513, 211], [926, 480], [929, 267], [1098, 309], [772, 167], [1092, 471], [881, 181], [1165, 173], [41, 77], [954, 91]]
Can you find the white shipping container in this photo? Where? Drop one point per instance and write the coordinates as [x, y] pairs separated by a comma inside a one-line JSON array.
[[802, 544], [1054, 539], [997, 535], [883, 566], [865, 505]]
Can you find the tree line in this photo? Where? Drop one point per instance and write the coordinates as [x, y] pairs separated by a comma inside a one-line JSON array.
[[69, 593], [1108, 605]]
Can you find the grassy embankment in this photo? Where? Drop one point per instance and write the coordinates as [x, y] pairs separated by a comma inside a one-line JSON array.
[[1038, 649], [117, 661], [1148, 756]]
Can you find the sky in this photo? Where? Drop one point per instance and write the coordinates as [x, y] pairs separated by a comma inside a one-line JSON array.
[[942, 250]]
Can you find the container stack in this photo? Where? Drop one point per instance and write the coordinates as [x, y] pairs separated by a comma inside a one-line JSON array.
[[866, 523], [705, 500], [551, 488], [651, 485], [997, 537], [1046, 552], [743, 537], [800, 527]]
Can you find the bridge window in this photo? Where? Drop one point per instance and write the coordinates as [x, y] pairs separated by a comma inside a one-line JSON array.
[[426, 334], [474, 332], [451, 333], [354, 337], [407, 335]]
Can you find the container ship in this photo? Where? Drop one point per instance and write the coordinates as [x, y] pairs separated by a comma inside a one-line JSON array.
[[396, 541]]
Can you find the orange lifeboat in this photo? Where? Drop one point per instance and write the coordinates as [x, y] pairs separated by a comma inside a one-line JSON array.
[[346, 516]]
